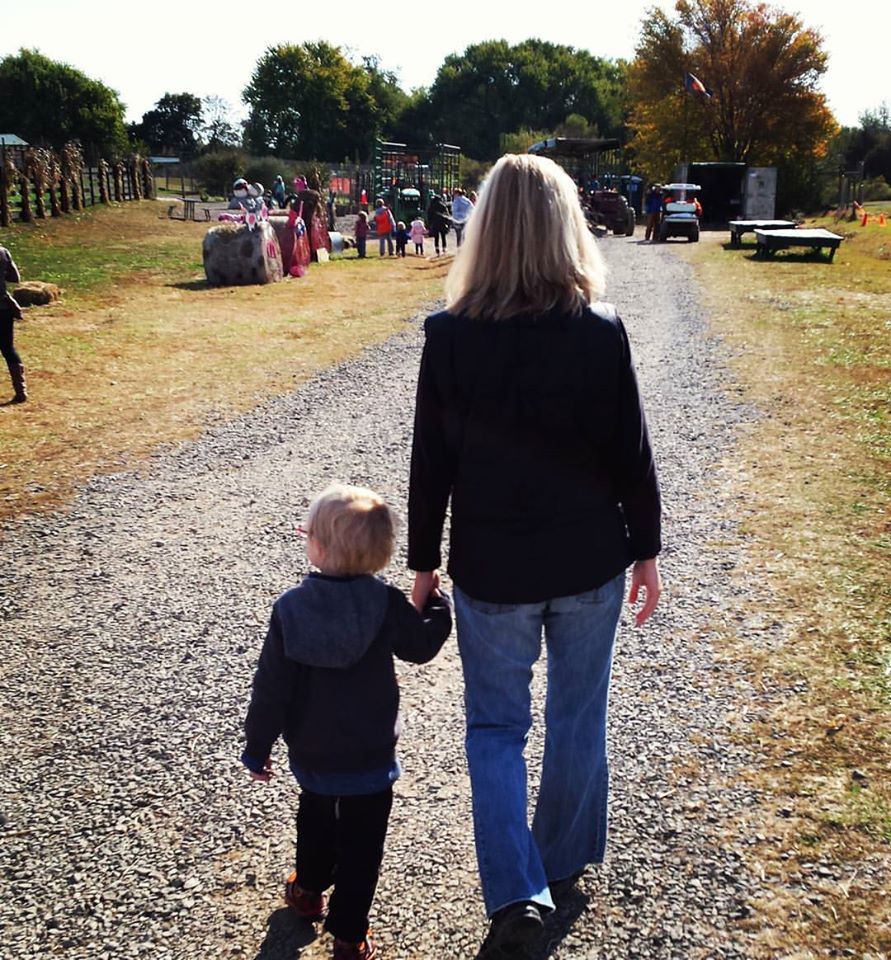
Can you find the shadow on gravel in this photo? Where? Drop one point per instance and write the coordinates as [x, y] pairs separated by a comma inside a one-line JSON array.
[[570, 907], [285, 937]]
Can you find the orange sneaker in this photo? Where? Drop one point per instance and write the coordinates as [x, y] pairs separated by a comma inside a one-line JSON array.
[[344, 950], [306, 904]]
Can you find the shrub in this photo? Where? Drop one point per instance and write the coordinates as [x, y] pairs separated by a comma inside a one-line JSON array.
[[217, 170]]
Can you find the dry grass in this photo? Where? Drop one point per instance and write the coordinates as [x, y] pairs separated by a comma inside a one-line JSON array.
[[812, 350], [141, 352]]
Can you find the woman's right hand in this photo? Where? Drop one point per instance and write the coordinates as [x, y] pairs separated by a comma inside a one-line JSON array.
[[426, 581], [645, 573]]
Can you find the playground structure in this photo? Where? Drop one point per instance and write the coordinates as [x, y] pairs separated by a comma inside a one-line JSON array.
[[407, 177], [611, 198]]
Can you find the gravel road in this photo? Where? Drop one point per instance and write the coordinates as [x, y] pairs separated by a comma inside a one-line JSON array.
[[131, 626]]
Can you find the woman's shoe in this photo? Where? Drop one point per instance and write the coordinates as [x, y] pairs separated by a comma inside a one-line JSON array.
[[513, 927]]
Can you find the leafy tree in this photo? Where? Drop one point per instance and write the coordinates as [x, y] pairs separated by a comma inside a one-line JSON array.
[[172, 126], [220, 129], [494, 88], [310, 101], [50, 104], [762, 66]]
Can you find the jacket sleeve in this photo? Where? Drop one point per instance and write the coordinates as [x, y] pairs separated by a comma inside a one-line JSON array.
[[273, 689], [432, 470], [419, 636], [635, 467], [10, 269]]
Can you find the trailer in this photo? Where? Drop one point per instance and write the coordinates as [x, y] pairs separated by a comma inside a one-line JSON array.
[[406, 178], [732, 191]]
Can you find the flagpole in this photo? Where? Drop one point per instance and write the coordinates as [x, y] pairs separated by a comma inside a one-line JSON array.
[[686, 102]]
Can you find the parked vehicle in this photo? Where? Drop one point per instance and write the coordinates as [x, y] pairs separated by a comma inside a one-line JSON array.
[[681, 209]]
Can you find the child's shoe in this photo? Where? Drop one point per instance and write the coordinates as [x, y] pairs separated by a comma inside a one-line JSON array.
[[344, 950], [306, 904]]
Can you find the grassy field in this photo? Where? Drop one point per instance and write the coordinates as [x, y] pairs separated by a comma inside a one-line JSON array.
[[141, 351], [812, 346]]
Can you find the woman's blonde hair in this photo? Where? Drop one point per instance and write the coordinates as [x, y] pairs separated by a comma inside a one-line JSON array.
[[354, 527], [527, 247]]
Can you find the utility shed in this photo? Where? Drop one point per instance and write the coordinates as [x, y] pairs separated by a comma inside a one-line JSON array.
[[732, 191]]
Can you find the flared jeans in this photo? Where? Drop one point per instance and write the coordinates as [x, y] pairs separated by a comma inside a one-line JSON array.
[[499, 643]]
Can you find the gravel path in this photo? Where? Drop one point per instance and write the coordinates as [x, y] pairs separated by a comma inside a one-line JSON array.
[[131, 626]]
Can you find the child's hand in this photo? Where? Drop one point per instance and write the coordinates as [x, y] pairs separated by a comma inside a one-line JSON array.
[[267, 773]]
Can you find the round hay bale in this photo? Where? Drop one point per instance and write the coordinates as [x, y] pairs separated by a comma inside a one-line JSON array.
[[36, 293], [235, 255]]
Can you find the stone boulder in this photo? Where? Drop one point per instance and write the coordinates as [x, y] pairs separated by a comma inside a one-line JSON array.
[[234, 255]]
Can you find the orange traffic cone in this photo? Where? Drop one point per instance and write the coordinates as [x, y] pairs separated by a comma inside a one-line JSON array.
[[864, 219], [881, 219]]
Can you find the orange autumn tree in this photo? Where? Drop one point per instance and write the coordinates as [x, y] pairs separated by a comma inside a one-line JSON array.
[[762, 67]]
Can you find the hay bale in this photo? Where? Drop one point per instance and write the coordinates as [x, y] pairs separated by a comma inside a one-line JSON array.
[[235, 255], [35, 293]]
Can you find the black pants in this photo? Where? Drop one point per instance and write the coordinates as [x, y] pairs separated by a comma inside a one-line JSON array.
[[340, 840], [439, 236], [6, 345]]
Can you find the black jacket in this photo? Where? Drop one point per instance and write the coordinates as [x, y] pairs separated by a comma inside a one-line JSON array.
[[326, 680], [534, 427]]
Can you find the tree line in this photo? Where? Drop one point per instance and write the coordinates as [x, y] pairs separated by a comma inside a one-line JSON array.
[[756, 100]]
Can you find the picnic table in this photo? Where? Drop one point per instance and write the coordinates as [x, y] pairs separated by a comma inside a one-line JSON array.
[[739, 227], [769, 241]]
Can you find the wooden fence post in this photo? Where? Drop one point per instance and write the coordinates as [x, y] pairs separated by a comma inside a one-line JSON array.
[[103, 181], [26, 215]]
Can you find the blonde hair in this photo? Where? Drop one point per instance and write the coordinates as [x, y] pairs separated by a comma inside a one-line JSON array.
[[527, 247], [355, 528]]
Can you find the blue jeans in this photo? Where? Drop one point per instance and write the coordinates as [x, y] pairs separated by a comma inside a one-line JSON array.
[[499, 643]]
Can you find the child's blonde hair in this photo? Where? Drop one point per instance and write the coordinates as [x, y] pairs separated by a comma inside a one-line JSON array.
[[354, 527]]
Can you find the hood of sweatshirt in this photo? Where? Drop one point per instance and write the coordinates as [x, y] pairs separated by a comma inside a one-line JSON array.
[[332, 621]]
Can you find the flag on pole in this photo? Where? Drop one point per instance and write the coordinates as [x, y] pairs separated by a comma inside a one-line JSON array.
[[695, 85]]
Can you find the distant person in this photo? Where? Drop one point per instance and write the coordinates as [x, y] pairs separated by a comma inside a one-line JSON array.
[[326, 683], [278, 192], [438, 221], [401, 236], [385, 224], [361, 233], [10, 311], [697, 207], [462, 207], [418, 233], [653, 211]]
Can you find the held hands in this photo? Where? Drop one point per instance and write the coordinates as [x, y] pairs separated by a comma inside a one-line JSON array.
[[426, 583], [267, 773], [645, 573]]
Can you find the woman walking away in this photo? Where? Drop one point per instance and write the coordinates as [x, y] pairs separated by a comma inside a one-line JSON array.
[[528, 417], [9, 313]]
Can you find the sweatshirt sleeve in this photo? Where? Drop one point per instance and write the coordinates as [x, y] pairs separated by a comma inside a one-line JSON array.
[[636, 469], [419, 636], [432, 470], [273, 690]]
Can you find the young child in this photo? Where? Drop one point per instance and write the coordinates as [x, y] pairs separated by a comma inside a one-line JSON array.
[[418, 232], [401, 236], [326, 683], [361, 233]]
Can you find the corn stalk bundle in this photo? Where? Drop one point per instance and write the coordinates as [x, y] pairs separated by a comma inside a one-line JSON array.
[[37, 162], [103, 181]]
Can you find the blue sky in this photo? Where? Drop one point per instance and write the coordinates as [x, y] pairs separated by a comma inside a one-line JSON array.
[[211, 48]]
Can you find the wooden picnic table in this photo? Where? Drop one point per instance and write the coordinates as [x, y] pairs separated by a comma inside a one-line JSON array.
[[739, 227], [769, 241]]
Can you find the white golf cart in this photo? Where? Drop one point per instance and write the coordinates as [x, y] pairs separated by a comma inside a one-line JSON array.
[[679, 213]]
